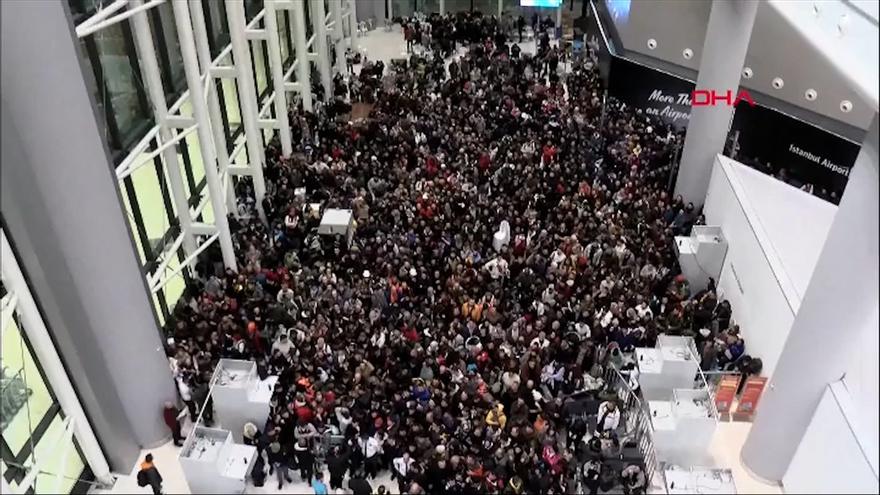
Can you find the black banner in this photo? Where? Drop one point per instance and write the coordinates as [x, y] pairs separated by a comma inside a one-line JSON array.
[[810, 156], [655, 93]]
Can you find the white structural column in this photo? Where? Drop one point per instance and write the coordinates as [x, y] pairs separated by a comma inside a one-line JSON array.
[[247, 99], [50, 362], [442, 7], [388, 9], [277, 68], [302, 54], [143, 37], [200, 112], [352, 25], [320, 23], [724, 53], [500, 8], [838, 308], [336, 17], [200, 32]]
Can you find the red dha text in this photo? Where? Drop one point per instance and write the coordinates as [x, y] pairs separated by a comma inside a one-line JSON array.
[[710, 97]]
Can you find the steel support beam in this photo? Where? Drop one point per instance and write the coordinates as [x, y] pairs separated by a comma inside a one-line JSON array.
[[319, 21], [338, 35], [200, 32], [353, 25], [143, 37], [277, 68], [200, 112], [298, 35], [247, 98]]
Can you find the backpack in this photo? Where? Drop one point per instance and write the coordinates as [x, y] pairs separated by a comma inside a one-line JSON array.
[[142, 478]]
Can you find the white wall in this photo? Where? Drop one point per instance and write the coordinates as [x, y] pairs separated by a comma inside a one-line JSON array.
[[862, 381], [747, 280], [829, 458]]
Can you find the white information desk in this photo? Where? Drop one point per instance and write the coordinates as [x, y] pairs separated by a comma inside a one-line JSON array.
[[670, 365], [337, 222], [683, 425], [681, 480], [212, 463], [240, 397]]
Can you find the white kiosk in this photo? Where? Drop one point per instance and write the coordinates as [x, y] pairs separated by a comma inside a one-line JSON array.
[[213, 463], [672, 364], [701, 255], [240, 396], [682, 480], [683, 425], [337, 222]]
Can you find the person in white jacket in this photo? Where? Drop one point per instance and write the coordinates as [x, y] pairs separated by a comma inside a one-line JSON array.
[[402, 466], [608, 417]]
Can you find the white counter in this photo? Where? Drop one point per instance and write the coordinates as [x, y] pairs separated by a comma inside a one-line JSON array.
[[649, 360], [662, 417], [681, 480], [238, 461]]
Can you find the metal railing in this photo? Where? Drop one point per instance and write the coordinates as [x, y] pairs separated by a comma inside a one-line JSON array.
[[637, 421]]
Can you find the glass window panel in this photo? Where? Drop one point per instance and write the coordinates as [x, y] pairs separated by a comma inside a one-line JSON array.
[[158, 309], [122, 83], [172, 46], [219, 28], [230, 100], [26, 397], [260, 74], [252, 8], [309, 27], [150, 200], [400, 8], [173, 289], [57, 455], [486, 7], [455, 6], [129, 213], [283, 38]]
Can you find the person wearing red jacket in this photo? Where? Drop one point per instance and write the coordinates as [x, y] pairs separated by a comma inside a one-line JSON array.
[[170, 414]]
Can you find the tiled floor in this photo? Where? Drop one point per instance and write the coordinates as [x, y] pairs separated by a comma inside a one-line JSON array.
[[725, 449]]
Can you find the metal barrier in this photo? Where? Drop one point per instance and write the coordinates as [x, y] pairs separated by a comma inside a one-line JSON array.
[[637, 421]]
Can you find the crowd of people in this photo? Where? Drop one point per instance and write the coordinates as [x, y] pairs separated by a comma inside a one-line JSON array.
[[430, 346]]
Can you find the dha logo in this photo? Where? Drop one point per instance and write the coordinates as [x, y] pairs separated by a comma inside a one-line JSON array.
[[710, 97]]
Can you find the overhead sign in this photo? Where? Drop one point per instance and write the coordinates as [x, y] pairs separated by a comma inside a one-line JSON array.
[[656, 93], [810, 155]]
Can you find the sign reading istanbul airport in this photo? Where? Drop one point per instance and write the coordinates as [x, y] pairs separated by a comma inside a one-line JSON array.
[[656, 93], [809, 154]]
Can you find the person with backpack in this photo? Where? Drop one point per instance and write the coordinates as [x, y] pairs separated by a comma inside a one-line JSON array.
[[149, 475]]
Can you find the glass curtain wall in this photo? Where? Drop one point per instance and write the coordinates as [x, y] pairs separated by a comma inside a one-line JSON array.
[[120, 93], [122, 99], [32, 420]]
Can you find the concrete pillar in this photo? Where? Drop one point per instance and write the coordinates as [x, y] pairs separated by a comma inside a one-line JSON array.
[[839, 305], [724, 53], [62, 210]]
